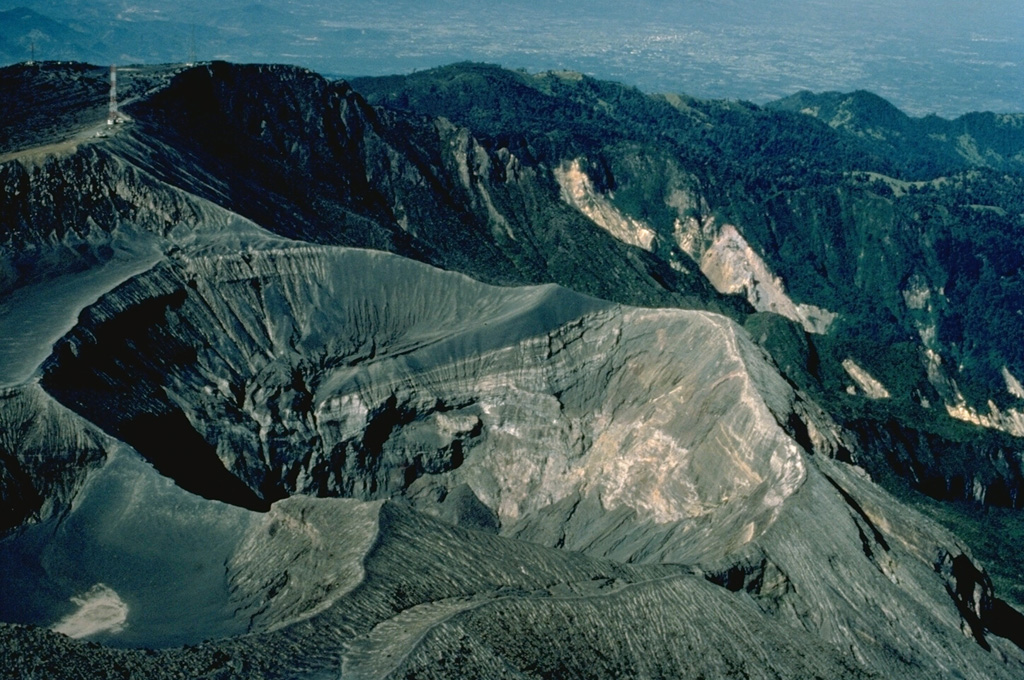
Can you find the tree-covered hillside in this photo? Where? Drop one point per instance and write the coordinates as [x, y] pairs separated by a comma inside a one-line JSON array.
[[911, 230]]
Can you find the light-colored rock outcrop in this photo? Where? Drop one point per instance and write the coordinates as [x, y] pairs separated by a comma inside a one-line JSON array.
[[864, 380], [1008, 420], [733, 266], [1013, 385], [355, 373], [579, 192], [520, 481], [651, 437]]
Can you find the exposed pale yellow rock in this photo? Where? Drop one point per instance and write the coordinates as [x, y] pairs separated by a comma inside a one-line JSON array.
[[530, 396], [1010, 421], [579, 192], [865, 381], [732, 266], [1013, 385], [473, 165]]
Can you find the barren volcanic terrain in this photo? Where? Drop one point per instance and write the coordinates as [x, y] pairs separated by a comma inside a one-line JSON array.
[[297, 386]]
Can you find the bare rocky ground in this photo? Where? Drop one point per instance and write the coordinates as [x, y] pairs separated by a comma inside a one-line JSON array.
[[252, 456]]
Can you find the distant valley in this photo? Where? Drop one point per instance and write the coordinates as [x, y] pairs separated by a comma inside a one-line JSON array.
[[926, 60]]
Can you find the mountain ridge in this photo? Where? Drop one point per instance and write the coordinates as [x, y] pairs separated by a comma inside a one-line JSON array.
[[984, 139], [610, 177], [707, 49], [507, 457], [807, 208]]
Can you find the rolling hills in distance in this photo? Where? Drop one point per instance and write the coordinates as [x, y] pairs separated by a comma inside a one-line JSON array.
[[475, 372]]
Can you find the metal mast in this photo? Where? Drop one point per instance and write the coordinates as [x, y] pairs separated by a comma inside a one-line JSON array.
[[192, 48], [112, 112]]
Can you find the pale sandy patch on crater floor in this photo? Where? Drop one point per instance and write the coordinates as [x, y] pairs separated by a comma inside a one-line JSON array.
[[100, 610]]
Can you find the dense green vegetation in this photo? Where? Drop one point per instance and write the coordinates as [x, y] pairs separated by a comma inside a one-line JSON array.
[[910, 229], [994, 534], [923, 148], [850, 205]]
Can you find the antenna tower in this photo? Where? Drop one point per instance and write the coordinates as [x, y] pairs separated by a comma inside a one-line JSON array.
[[112, 111]]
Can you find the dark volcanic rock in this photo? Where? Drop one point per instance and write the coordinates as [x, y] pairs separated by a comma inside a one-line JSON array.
[[906, 229], [310, 159], [403, 471], [348, 372], [652, 437], [45, 453]]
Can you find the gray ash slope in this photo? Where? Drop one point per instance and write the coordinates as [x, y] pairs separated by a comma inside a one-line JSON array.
[[397, 470], [310, 159], [909, 230], [646, 436]]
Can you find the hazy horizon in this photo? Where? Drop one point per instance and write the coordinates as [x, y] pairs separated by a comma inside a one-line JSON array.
[[926, 57]]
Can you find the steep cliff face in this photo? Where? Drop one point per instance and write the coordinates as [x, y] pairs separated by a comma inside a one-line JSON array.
[[651, 437], [980, 467], [310, 159], [74, 224], [357, 464], [844, 224], [909, 276], [353, 373], [46, 452]]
